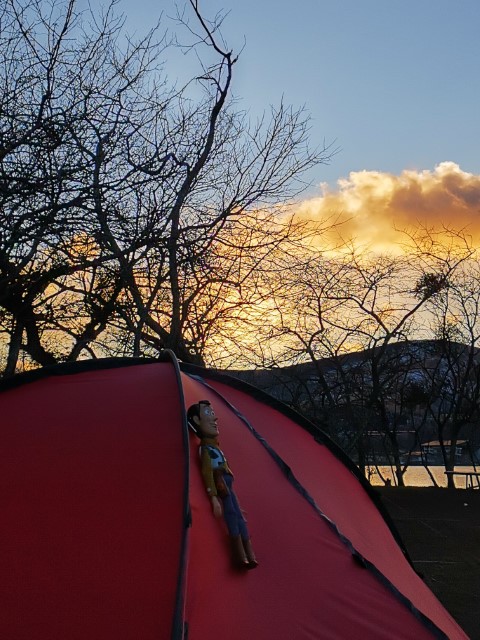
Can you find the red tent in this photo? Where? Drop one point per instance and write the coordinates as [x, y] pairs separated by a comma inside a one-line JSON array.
[[107, 532]]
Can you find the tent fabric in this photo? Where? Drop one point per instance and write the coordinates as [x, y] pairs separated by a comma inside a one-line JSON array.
[[108, 531], [92, 505]]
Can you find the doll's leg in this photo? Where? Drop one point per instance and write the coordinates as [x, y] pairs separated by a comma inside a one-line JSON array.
[[231, 510], [239, 555], [234, 525], [237, 515], [252, 560], [242, 528]]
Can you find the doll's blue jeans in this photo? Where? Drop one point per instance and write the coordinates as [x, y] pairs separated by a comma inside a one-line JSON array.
[[232, 513]]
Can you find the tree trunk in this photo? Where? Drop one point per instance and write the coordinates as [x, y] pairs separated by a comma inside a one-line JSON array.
[[14, 348]]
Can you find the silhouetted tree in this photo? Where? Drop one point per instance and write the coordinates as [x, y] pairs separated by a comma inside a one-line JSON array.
[[454, 380], [353, 316], [125, 199]]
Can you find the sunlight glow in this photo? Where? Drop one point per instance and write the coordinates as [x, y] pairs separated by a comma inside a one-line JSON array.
[[375, 207]]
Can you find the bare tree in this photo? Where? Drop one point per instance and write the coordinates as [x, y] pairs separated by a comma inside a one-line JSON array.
[[125, 200], [454, 376], [355, 318]]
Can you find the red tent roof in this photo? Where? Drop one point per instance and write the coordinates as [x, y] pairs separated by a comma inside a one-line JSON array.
[[108, 533]]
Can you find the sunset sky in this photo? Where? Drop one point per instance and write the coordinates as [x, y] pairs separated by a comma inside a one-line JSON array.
[[394, 84]]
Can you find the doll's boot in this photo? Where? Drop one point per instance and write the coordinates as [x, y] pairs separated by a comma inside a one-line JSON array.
[[240, 558], [252, 561]]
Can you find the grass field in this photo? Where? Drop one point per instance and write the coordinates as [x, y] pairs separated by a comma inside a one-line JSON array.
[[441, 531]]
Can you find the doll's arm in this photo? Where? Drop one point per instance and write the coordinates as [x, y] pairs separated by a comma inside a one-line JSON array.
[[216, 506], [207, 472]]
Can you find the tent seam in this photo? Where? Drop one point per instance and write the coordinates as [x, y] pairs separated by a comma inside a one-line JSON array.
[[179, 626]]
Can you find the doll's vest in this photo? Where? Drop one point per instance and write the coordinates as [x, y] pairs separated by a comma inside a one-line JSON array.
[[217, 459]]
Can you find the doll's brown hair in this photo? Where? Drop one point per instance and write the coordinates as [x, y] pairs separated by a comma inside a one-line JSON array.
[[194, 411]]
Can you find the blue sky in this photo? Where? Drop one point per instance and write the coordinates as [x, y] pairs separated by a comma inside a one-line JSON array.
[[394, 83]]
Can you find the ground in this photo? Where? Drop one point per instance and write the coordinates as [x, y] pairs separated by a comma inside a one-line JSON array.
[[441, 531]]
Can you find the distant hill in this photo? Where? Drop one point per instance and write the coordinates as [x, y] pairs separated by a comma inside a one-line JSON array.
[[281, 382], [419, 393]]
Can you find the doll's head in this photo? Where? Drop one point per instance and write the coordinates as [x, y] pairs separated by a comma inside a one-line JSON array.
[[202, 419]]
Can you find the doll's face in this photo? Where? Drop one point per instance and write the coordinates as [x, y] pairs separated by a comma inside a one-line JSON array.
[[207, 421]]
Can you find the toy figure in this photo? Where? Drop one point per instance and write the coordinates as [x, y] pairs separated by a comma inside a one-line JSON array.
[[218, 479]]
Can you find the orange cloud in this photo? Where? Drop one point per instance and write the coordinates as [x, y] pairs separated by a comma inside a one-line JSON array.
[[375, 205]]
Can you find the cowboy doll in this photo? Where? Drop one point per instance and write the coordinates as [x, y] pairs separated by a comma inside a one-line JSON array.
[[218, 479]]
